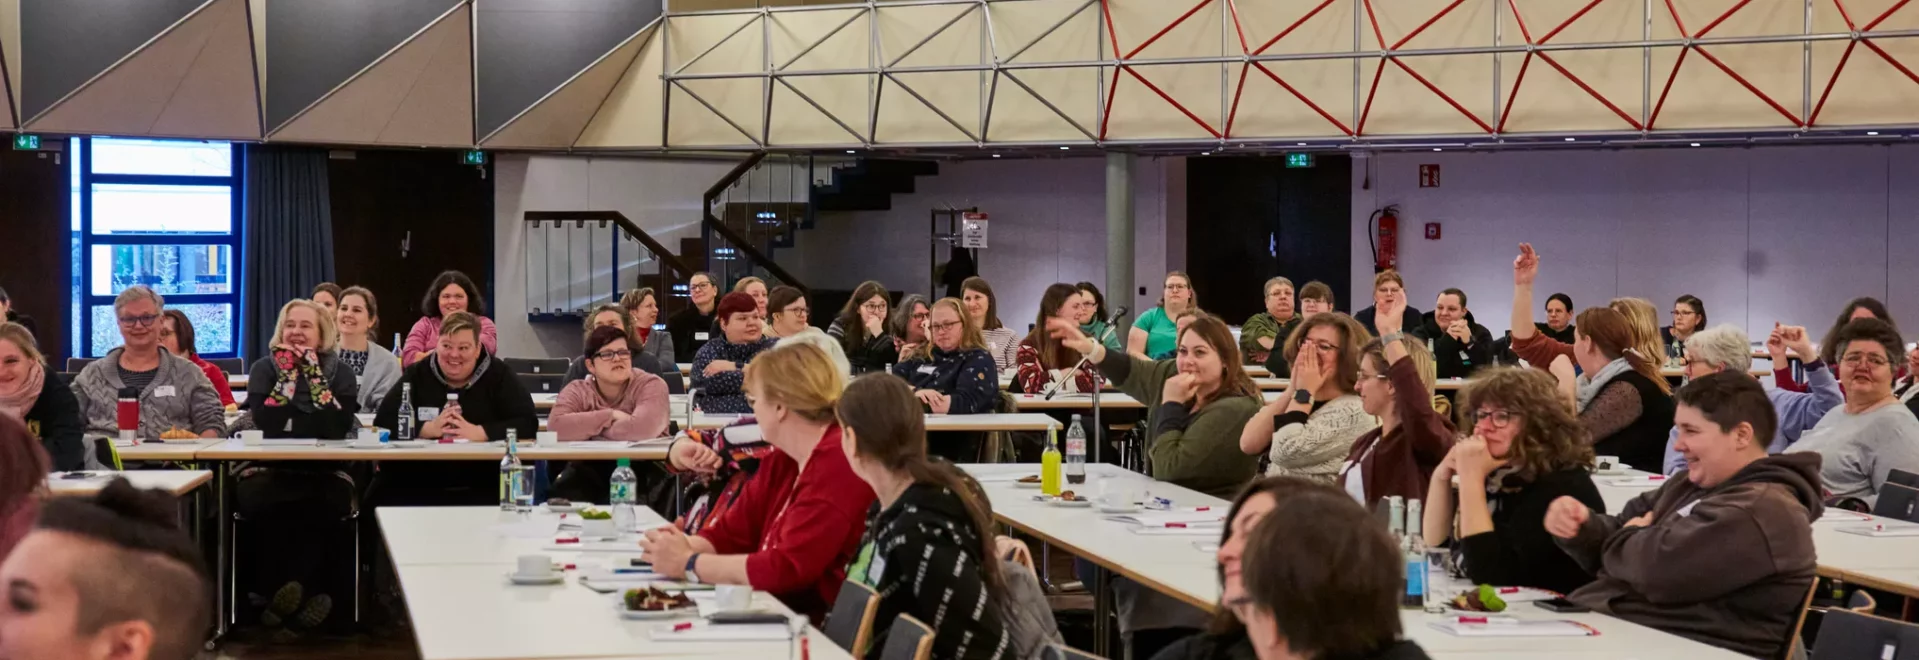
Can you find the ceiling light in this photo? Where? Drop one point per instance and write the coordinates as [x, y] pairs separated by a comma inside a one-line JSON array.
[[1569, 139], [850, 151], [1206, 153], [1064, 148], [1302, 144], [1872, 132], [995, 155], [1695, 144], [1438, 149]]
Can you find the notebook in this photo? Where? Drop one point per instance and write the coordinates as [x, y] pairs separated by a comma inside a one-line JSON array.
[[701, 631], [1498, 626], [1881, 530]]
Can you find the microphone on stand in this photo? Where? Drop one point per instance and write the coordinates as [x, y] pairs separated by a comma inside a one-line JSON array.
[[1053, 388]]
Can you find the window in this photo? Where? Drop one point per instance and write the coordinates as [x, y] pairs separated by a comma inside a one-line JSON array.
[[163, 213]]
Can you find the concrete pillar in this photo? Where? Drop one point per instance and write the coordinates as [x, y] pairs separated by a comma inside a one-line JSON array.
[[1119, 237]]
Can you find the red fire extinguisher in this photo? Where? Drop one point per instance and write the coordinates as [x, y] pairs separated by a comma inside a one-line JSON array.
[[1386, 245]]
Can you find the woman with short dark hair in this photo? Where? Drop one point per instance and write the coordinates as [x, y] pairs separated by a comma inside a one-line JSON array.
[[1688, 316], [451, 292], [618, 402], [861, 329]]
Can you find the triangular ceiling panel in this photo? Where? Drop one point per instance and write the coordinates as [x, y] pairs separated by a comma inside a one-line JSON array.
[[557, 120], [66, 43], [528, 48], [631, 115], [10, 60], [315, 46], [419, 95], [194, 80]]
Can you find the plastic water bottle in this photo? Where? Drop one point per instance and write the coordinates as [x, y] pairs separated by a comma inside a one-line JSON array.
[[1075, 453], [1414, 548], [403, 424], [622, 495], [513, 490]]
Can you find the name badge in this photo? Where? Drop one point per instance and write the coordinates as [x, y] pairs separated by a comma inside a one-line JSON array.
[[875, 569], [699, 336], [928, 370], [1687, 509], [163, 390]]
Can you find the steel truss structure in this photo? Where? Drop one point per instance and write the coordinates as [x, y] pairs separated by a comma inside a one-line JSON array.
[[1451, 53]]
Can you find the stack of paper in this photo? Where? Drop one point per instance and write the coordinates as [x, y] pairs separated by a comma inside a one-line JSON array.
[[1178, 518], [1882, 530], [1500, 626]]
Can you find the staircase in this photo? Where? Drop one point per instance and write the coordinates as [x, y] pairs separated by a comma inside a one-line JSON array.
[[762, 205], [870, 184], [576, 260]]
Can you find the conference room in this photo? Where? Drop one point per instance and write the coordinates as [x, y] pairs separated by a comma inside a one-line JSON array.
[[957, 329]]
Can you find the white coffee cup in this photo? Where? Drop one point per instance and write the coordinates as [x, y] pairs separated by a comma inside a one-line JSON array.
[[536, 566], [733, 597], [368, 436], [252, 436], [598, 529], [1606, 462], [546, 438]]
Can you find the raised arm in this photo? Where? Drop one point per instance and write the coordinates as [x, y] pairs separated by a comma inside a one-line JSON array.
[[1525, 271]]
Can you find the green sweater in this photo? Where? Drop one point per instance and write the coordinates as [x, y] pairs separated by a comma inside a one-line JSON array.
[[1194, 449]]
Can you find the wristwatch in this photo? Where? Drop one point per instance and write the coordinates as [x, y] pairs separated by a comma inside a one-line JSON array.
[[1392, 337], [1303, 397], [692, 577]]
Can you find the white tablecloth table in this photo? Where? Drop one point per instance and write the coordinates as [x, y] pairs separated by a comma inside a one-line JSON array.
[[176, 482]]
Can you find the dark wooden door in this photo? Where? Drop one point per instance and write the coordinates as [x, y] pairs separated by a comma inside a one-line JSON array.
[[1251, 218], [402, 217]]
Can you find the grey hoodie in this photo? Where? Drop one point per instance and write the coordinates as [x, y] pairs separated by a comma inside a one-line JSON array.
[[180, 396], [1727, 566]]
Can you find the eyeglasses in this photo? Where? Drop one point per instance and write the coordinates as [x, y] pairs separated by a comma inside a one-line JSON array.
[[620, 354], [943, 327], [1683, 312], [144, 321], [1873, 359], [1317, 345], [797, 311], [1500, 418], [921, 316], [1177, 287], [700, 285]]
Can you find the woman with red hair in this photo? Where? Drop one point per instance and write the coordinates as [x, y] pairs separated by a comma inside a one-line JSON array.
[[23, 474]]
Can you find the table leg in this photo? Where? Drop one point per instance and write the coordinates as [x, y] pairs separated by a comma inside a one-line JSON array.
[[223, 553], [1102, 611]]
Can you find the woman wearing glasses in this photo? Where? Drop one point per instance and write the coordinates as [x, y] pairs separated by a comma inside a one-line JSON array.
[[1308, 431], [172, 392], [616, 401], [1871, 435], [951, 373], [1526, 450], [692, 327], [1688, 316], [1157, 331], [861, 329]]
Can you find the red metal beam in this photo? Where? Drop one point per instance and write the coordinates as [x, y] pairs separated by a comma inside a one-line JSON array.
[[1261, 50], [1589, 90], [1238, 91], [1378, 72], [1112, 36], [1882, 17], [1442, 95], [1750, 88], [1890, 60], [1169, 99], [1568, 22], [1422, 26], [1843, 57], [1162, 31], [1517, 82], [1676, 21], [1523, 32], [1841, 4], [1233, 6], [1661, 105], [1377, 35], [1722, 18], [1302, 97]]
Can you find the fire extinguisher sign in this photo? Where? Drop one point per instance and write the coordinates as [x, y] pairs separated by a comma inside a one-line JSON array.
[[1429, 175]]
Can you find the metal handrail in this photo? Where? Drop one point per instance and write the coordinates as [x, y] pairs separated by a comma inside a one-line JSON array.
[[659, 251], [713, 224]]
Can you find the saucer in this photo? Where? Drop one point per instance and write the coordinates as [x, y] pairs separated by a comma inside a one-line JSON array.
[[654, 615], [555, 578], [1024, 484], [1075, 504], [1126, 508]]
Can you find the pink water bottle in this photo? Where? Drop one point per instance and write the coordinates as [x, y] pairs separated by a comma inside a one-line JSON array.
[[127, 414]]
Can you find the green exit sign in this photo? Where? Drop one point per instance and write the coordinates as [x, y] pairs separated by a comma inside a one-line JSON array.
[[26, 142], [475, 157], [1299, 159]]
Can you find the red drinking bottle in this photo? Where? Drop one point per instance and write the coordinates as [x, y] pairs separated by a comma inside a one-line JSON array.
[[127, 414]]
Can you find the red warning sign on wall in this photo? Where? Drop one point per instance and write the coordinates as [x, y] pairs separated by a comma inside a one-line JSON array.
[[1429, 175]]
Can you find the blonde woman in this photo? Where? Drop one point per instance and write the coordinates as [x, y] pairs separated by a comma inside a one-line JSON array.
[[951, 372], [301, 389], [28, 392]]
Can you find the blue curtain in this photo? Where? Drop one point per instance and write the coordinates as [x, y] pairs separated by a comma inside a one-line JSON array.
[[289, 233]]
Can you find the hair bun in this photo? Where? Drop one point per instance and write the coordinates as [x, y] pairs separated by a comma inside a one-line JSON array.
[[153, 507]]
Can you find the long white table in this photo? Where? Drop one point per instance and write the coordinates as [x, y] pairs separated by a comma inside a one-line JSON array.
[[1177, 566], [176, 482], [452, 564]]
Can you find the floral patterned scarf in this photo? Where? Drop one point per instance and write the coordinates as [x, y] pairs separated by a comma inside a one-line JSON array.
[[292, 366]]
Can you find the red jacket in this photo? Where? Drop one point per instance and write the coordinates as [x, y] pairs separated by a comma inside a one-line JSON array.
[[1402, 463], [219, 379], [798, 528]]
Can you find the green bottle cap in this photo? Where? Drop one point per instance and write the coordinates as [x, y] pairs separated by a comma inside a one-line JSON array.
[[624, 462]]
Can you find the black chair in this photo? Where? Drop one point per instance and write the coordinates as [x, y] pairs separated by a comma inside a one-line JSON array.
[[230, 365], [910, 640], [538, 365], [1063, 652], [850, 623], [1851, 636], [1903, 478], [77, 364], [544, 383], [1896, 501]]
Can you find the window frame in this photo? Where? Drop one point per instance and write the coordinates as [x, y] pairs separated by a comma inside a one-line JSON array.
[[234, 240]]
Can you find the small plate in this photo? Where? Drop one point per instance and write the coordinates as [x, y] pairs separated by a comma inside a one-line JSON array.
[[1074, 504], [556, 578], [571, 507], [1609, 473], [1023, 484], [655, 615], [1130, 508]]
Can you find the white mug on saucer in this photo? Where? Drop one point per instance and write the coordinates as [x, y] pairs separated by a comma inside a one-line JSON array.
[[252, 436], [546, 438], [536, 566], [733, 597], [368, 436]]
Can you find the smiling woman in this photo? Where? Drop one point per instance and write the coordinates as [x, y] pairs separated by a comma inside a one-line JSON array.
[[301, 389]]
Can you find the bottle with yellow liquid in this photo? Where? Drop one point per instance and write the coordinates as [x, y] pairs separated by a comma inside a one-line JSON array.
[[1050, 471]]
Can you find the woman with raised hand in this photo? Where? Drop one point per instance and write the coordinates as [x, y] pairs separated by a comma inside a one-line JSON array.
[[1857, 308], [451, 292], [1157, 331], [1043, 359], [644, 309], [929, 546], [1540, 349], [30, 393], [1309, 429], [861, 329], [982, 308], [177, 336], [1559, 318], [798, 522], [616, 401], [1196, 403], [1399, 456], [301, 389], [377, 368], [1526, 450], [1623, 401]]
